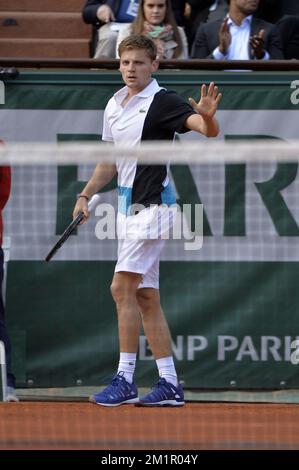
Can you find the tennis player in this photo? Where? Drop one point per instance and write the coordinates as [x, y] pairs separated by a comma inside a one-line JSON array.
[[141, 111]]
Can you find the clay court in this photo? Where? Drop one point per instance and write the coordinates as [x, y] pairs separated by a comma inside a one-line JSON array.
[[197, 426]]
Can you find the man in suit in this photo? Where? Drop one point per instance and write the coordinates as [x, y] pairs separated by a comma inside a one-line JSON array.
[[240, 36]]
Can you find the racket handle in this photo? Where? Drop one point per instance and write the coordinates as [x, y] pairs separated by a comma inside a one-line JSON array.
[[71, 227], [93, 202]]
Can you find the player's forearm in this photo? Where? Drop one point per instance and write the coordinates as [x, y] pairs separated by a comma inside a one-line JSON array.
[[102, 175], [204, 125], [210, 127]]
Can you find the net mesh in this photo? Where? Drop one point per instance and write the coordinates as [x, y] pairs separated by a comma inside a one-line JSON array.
[[231, 302]]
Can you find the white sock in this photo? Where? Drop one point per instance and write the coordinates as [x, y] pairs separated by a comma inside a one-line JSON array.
[[167, 370], [127, 362]]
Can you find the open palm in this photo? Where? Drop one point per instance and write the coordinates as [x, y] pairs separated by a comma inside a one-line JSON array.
[[209, 100]]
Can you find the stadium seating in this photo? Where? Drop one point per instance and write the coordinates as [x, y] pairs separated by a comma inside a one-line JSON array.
[[48, 29]]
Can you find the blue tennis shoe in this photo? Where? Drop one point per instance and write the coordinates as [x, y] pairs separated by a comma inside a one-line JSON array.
[[119, 392], [163, 394]]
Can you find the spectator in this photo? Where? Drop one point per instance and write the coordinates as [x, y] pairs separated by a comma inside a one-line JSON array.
[[274, 10], [5, 181], [178, 7], [106, 16], [239, 37], [189, 14], [155, 20], [218, 10], [288, 28], [199, 13]]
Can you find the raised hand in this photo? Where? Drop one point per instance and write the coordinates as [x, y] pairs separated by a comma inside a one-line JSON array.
[[257, 44], [225, 37], [209, 100]]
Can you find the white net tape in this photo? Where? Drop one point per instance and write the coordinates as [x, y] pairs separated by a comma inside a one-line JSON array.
[[215, 151], [267, 213]]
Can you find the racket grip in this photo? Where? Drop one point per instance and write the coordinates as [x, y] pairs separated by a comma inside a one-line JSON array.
[[93, 202]]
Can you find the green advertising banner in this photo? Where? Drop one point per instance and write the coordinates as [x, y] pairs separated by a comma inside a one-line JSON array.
[[232, 306]]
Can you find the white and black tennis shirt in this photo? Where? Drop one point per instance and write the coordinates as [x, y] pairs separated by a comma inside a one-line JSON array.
[[152, 114]]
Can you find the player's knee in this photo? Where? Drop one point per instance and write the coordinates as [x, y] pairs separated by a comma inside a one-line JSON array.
[[116, 291], [145, 299], [121, 292]]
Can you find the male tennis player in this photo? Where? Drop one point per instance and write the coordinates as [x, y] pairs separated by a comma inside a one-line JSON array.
[[140, 111]]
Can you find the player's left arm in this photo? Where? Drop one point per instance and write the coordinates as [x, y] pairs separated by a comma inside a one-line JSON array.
[[204, 121]]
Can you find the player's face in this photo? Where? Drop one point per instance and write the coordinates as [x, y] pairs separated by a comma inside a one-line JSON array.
[[247, 6], [154, 11], [136, 68]]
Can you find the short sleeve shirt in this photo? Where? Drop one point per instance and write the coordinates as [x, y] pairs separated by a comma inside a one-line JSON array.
[[152, 114]]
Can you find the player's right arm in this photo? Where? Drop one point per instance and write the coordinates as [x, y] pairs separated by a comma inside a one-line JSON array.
[[102, 175]]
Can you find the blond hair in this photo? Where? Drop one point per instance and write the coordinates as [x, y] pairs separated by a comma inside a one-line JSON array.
[[136, 41]]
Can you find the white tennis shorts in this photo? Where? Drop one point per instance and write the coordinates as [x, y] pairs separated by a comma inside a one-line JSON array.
[[141, 239]]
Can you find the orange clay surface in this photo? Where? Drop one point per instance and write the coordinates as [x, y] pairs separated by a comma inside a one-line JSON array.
[[67, 425]]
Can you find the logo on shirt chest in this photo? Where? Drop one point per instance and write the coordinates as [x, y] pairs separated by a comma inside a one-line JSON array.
[[134, 120]]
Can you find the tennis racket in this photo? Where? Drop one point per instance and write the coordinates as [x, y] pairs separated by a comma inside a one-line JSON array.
[[71, 227]]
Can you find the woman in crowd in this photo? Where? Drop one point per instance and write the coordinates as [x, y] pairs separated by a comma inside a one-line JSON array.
[[155, 19]]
